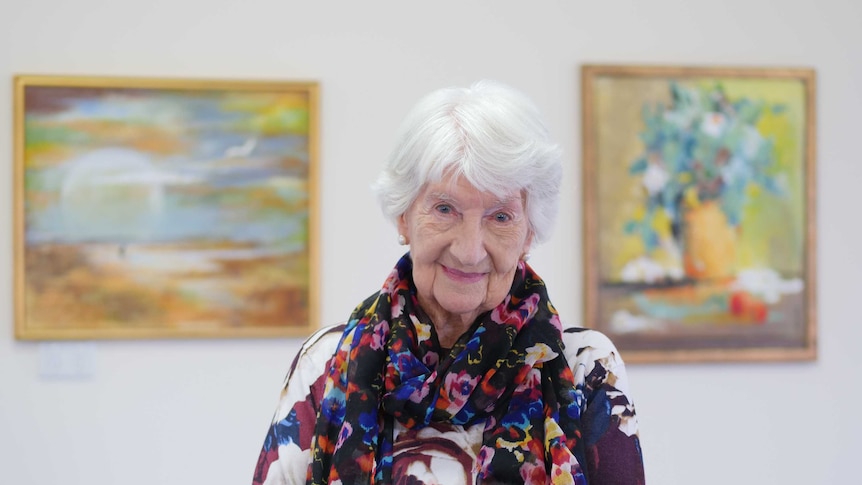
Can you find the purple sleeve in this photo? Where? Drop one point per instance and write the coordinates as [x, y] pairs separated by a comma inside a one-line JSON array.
[[608, 418]]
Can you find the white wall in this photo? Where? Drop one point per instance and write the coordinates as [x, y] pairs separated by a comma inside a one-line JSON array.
[[181, 412]]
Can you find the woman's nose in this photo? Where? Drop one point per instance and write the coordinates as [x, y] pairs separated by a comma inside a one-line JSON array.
[[468, 245]]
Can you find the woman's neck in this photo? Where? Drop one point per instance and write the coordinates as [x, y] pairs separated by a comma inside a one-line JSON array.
[[448, 326], [451, 327], [448, 334]]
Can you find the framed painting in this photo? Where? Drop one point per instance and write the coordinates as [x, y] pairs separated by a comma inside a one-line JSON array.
[[159, 208], [699, 220]]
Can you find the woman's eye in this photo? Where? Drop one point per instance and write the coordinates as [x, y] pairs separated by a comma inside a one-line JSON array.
[[502, 217], [444, 209]]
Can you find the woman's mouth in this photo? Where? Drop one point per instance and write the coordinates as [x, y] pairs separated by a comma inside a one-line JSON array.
[[462, 276]]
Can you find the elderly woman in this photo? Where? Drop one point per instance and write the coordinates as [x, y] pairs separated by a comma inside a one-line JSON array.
[[459, 370]]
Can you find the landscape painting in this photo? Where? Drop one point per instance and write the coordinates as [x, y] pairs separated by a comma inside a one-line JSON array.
[[158, 208], [699, 211]]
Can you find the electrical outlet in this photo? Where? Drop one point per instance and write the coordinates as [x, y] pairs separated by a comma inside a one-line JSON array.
[[67, 360]]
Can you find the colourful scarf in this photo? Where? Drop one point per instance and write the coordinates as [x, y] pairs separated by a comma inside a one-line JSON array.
[[508, 371]]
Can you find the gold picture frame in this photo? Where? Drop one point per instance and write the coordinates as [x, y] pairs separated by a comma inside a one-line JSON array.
[[699, 211], [164, 208]]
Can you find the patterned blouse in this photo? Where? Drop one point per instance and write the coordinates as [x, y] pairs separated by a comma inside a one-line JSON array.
[[445, 454]]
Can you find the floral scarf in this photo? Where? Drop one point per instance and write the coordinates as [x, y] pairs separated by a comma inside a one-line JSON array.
[[508, 372]]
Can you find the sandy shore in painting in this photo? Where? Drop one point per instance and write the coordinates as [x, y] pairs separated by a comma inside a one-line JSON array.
[[207, 286]]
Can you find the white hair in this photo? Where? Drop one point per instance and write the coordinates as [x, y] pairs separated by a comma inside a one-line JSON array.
[[490, 134]]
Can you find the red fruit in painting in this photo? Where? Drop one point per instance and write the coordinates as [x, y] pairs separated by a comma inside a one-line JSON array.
[[759, 311], [744, 304], [737, 302]]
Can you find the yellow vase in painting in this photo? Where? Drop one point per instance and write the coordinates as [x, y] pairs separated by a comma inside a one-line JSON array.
[[710, 242]]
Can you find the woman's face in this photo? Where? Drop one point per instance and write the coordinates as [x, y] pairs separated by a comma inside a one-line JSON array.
[[465, 245]]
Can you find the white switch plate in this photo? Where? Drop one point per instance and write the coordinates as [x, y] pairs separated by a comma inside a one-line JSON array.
[[67, 360]]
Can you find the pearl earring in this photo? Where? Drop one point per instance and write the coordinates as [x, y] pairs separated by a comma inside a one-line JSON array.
[[402, 240], [525, 257]]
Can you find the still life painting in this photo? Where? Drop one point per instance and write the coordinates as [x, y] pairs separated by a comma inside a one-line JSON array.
[[158, 208], [699, 211]]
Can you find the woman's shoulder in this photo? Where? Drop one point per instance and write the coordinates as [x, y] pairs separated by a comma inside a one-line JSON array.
[[582, 338], [316, 350], [324, 337], [590, 352]]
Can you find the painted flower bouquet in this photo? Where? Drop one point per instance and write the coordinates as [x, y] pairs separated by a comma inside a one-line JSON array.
[[703, 157]]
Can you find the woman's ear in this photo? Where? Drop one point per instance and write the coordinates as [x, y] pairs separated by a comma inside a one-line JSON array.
[[401, 222], [528, 242]]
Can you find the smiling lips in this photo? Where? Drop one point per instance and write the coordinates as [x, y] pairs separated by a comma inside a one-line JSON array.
[[461, 276]]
